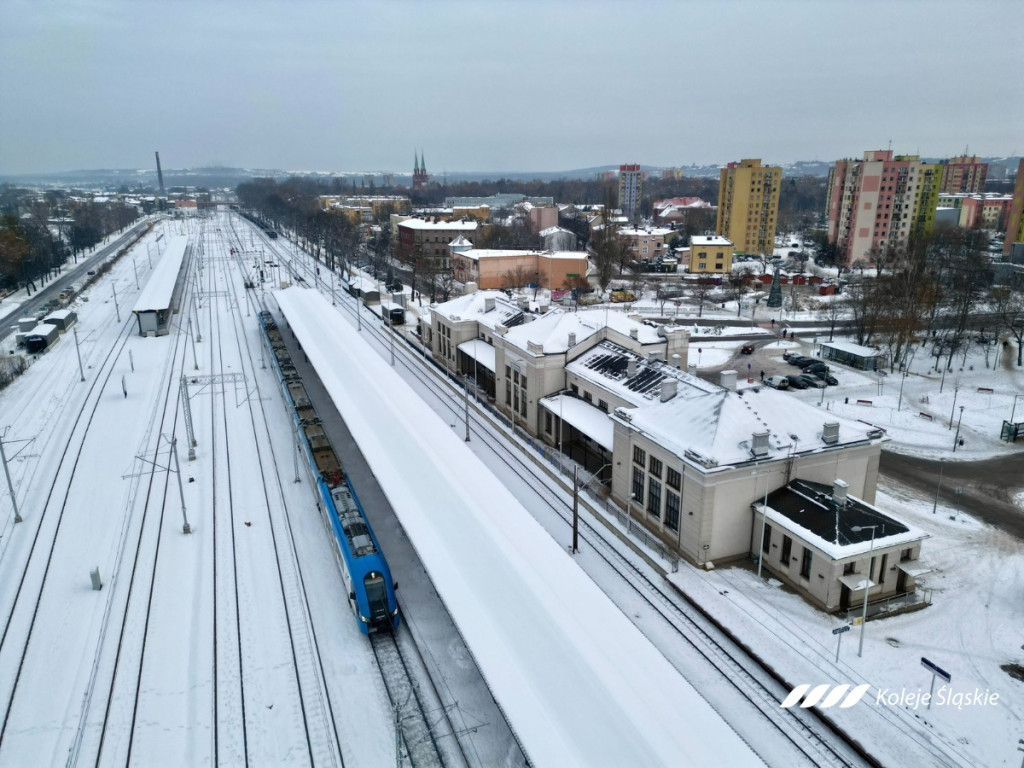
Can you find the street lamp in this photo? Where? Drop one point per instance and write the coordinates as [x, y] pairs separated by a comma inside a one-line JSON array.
[[953, 409], [935, 504], [956, 437], [867, 585]]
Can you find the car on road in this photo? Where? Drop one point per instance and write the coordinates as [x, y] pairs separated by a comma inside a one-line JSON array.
[[777, 382], [747, 349], [812, 381], [796, 382]]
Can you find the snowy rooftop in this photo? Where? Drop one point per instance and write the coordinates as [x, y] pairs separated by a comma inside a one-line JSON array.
[[580, 684], [476, 254], [156, 295], [708, 424], [489, 308], [481, 351], [641, 231], [853, 349], [552, 330], [465, 226], [808, 510], [709, 240], [554, 231]]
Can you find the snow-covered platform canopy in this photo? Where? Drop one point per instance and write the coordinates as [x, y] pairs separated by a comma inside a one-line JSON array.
[[579, 683], [153, 307]]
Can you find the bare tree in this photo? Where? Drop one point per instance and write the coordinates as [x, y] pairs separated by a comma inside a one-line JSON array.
[[1009, 307]]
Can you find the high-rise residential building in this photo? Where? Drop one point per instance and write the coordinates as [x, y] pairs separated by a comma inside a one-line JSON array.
[[1015, 226], [877, 203], [630, 185], [748, 205], [963, 174]]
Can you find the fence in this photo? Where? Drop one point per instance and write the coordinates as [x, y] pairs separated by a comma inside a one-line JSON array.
[[893, 605]]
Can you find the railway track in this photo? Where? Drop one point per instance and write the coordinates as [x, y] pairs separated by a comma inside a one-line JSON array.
[[50, 528], [323, 742], [414, 734]]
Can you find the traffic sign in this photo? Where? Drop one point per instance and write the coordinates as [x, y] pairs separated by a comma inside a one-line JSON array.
[[935, 669], [840, 630]]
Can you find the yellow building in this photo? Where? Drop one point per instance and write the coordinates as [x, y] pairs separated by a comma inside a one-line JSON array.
[[710, 254], [748, 205]]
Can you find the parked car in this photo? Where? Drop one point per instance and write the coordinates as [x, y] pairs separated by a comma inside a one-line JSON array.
[[800, 361], [777, 382], [812, 381], [796, 381], [814, 366], [747, 349], [828, 378]]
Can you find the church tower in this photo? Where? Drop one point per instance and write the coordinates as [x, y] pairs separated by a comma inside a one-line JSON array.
[[419, 173]]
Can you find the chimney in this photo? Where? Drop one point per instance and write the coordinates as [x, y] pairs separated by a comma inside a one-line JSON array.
[[631, 368], [668, 389], [634, 334], [488, 304], [572, 339], [759, 445], [839, 490], [830, 432]]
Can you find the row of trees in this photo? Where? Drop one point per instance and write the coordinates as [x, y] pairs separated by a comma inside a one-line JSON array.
[[940, 287], [38, 234]]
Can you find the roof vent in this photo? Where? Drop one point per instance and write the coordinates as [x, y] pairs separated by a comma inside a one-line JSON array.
[[759, 445], [488, 304], [572, 339], [668, 389], [634, 334], [631, 368], [839, 491], [830, 432]]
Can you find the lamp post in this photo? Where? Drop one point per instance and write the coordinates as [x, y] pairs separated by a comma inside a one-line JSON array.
[[953, 409], [956, 437], [867, 585], [899, 403]]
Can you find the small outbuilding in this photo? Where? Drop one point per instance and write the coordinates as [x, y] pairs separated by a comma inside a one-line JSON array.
[[853, 355], [155, 305], [62, 319]]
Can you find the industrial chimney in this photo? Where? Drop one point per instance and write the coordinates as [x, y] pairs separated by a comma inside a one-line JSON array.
[[160, 176]]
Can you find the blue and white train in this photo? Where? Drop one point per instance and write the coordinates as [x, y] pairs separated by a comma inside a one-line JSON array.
[[371, 591]]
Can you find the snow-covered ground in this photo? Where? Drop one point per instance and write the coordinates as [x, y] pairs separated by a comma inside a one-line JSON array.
[[971, 629]]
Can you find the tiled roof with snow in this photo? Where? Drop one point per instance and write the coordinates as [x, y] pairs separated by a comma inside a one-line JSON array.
[[714, 425], [474, 306], [709, 240], [465, 226], [552, 330]]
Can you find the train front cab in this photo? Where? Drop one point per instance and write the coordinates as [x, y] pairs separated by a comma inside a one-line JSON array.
[[382, 608]]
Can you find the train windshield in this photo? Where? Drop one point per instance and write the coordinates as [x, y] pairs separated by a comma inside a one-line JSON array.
[[376, 597]]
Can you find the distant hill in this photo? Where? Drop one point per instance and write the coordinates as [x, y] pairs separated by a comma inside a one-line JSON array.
[[222, 177]]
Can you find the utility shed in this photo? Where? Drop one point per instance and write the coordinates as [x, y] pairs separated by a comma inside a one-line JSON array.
[[853, 355], [156, 302], [62, 319]]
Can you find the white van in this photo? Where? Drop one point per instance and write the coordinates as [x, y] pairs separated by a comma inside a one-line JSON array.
[[777, 382]]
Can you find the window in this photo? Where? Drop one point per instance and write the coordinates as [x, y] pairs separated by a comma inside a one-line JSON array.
[[602, 405], [547, 422], [588, 397], [637, 493], [787, 548], [849, 568], [654, 497], [575, 389], [671, 510], [766, 542], [655, 468], [805, 566], [882, 567], [905, 555], [639, 455], [674, 479]]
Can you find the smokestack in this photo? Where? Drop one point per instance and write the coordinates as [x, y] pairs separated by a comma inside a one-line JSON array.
[[160, 175]]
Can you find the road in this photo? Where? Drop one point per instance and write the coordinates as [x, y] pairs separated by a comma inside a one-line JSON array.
[[988, 486]]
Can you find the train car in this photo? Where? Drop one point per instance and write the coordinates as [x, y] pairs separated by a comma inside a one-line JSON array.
[[365, 572]]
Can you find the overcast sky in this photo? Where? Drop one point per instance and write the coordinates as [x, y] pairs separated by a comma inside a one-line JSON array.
[[533, 85]]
